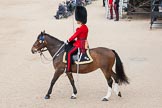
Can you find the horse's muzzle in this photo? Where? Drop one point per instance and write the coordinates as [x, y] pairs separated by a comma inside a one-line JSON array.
[[34, 50]]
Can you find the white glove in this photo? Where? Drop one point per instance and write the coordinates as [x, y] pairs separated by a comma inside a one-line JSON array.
[[66, 42]]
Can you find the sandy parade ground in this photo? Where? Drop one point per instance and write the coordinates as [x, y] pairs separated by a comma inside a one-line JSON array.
[[24, 79]]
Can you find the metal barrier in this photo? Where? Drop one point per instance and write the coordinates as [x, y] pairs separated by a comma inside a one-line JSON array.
[[156, 12]]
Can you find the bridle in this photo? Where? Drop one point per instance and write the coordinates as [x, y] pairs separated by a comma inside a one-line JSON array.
[[41, 40], [40, 44], [55, 55]]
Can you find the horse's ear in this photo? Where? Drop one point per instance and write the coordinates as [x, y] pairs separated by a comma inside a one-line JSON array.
[[42, 33]]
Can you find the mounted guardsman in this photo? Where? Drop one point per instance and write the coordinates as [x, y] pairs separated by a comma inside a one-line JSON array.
[[80, 36], [103, 58]]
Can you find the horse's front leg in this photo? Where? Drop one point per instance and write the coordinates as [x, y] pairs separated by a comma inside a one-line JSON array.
[[70, 76], [54, 79]]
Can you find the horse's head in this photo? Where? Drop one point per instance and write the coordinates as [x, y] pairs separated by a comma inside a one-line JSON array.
[[39, 44]]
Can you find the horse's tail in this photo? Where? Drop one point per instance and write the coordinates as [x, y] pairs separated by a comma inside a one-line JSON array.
[[121, 76]]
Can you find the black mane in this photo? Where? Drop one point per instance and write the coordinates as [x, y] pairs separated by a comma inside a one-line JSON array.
[[52, 37]]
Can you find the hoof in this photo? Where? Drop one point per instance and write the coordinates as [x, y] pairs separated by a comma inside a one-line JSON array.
[[47, 97], [73, 97], [104, 99], [119, 94]]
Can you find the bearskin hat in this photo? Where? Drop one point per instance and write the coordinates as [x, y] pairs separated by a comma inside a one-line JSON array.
[[81, 14]]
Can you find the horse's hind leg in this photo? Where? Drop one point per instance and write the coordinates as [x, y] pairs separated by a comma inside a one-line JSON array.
[[109, 81], [116, 88], [70, 76]]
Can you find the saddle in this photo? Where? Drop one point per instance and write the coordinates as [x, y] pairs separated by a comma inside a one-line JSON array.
[[77, 57]]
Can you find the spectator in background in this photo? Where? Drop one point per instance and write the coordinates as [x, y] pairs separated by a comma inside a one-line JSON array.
[[116, 9], [70, 6], [110, 5], [103, 3], [61, 10]]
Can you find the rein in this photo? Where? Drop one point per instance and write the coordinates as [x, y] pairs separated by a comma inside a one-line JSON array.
[[53, 57]]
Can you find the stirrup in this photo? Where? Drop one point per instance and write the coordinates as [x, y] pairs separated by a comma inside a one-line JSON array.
[[65, 70], [79, 55]]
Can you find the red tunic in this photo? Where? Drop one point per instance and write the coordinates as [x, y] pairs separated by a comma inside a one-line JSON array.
[[81, 36], [110, 2]]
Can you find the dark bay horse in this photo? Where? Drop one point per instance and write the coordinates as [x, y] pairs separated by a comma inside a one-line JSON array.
[[103, 58]]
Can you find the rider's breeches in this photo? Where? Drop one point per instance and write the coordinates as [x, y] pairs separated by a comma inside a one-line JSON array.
[[70, 53]]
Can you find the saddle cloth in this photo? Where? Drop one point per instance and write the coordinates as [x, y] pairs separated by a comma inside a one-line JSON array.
[[83, 58]]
